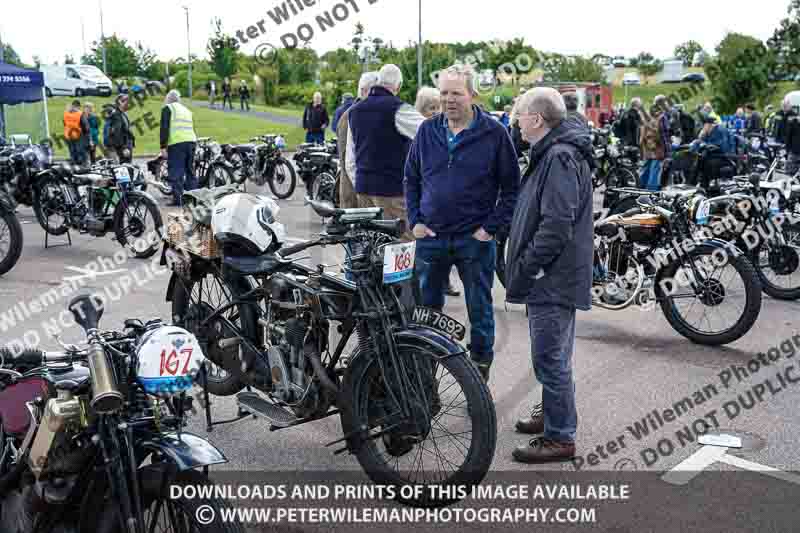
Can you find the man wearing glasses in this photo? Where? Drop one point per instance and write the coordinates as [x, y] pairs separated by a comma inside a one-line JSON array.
[[550, 251]]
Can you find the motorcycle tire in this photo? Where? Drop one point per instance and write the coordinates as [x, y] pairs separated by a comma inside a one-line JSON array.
[[229, 384], [289, 174], [15, 238], [236, 161], [763, 265], [152, 494], [48, 192], [365, 369], [752, 308], [218, 175], [132, 237]]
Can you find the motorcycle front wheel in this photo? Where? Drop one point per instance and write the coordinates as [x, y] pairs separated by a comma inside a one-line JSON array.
[[50, 205], [283, 180], [10, 240], [138, 225], [709, 302], [450, 437]]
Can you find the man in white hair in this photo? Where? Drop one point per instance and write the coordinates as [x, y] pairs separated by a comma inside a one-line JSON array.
[[550, 252], [315, 120], [461, 184], [178, 140], [381, 130], [347, 192]]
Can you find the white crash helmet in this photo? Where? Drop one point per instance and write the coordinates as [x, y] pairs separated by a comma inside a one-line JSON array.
[[169, 361], [246, 223]]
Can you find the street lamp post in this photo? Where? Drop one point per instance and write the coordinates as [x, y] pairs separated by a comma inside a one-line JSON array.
[[188, 51], [103, 39], [419, 49]]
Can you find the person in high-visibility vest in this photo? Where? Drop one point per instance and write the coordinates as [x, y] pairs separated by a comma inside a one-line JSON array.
[[177, 145]]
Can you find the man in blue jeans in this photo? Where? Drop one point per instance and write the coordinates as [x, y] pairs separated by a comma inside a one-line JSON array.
[[461, 180], [550, 249]]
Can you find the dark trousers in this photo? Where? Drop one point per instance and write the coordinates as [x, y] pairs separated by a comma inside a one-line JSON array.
[[180, 168], [93, 153], [475, 261], [552, 330], [317, 137], [77, 151], [227, 98], [244, 102]]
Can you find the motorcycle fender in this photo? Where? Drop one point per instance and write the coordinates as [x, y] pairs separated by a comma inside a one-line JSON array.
[[187, 452], [707, 246], [426, 337]]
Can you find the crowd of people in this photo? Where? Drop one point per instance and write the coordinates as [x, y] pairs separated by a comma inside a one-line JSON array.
[[450, 169], [227, 90], [82, 132]]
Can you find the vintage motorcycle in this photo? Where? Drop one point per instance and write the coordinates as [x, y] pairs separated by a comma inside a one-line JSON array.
[[98, 200], [266, 323], [615, 166], [10, 234], [211, 169], [318, 167], [262, 162], [92, 438], [20, 167], [648, 256]]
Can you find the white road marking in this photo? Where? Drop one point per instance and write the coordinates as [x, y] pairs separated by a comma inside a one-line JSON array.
[[86, 273], [706, 456]]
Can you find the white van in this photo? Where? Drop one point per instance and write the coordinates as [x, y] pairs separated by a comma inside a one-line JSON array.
[[75, 80]]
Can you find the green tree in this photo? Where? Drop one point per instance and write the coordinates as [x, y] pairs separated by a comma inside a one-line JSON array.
[[512, 58], [339, 70], [785, 43], [120, 57], [296, 65], [146, 62], [687, 51], [558, 67], [741, 72], [651, 68], [10, 55], [223, 51], [642, 59]]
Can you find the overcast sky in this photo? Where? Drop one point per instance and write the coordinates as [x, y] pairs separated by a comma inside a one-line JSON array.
[[51, 28]]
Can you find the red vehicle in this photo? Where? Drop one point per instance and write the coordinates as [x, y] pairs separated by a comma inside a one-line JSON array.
[[595, 100]]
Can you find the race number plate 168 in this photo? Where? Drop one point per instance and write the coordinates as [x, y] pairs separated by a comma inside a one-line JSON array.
[[398, 262]]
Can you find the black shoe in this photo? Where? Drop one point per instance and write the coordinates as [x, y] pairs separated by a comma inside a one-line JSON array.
[[533, 425], [451, 291], [541, 450]]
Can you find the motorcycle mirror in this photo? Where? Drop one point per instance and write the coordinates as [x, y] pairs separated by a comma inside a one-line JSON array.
[[87, 310]]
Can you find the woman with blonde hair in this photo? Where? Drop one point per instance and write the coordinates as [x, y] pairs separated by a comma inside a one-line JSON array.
[[429, 102], [94, 130]]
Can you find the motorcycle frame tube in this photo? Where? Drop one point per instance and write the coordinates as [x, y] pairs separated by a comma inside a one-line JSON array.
[[707, 246]]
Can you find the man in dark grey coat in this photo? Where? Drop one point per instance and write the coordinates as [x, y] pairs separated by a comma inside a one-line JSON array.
[[550, 264]]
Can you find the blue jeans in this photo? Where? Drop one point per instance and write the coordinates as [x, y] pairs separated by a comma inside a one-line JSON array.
[[475, 263], [552, 329], [317, 138], [77, 151], [180, 167], [651, 175]]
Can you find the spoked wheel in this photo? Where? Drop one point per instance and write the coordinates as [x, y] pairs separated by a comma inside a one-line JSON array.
[[193, 302], [163, 514], [236, 161], [778, 266], [284, 179], [138, 224], [219, 176], [449, 437], [50, 206], [708, 301], [10, 242]]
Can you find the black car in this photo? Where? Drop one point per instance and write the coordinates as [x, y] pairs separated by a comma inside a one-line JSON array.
[[694, 77]]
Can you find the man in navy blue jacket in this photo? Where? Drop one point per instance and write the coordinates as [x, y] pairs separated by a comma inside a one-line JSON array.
[[549, 268], [461, 181]]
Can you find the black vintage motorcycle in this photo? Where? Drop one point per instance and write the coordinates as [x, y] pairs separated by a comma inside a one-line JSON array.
[[211, 169], [615, 165], [20, 167], [318, 167], [413, 409], [87, 447], [262, 162], [96, 201], [707, 288], [10, 234]]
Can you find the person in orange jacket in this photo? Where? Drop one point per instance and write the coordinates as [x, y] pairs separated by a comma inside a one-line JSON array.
[[76, 132]]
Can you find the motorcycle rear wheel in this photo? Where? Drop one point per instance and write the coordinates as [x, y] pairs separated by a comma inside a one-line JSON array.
[[10, 240], [49, 204], [283, 181]]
